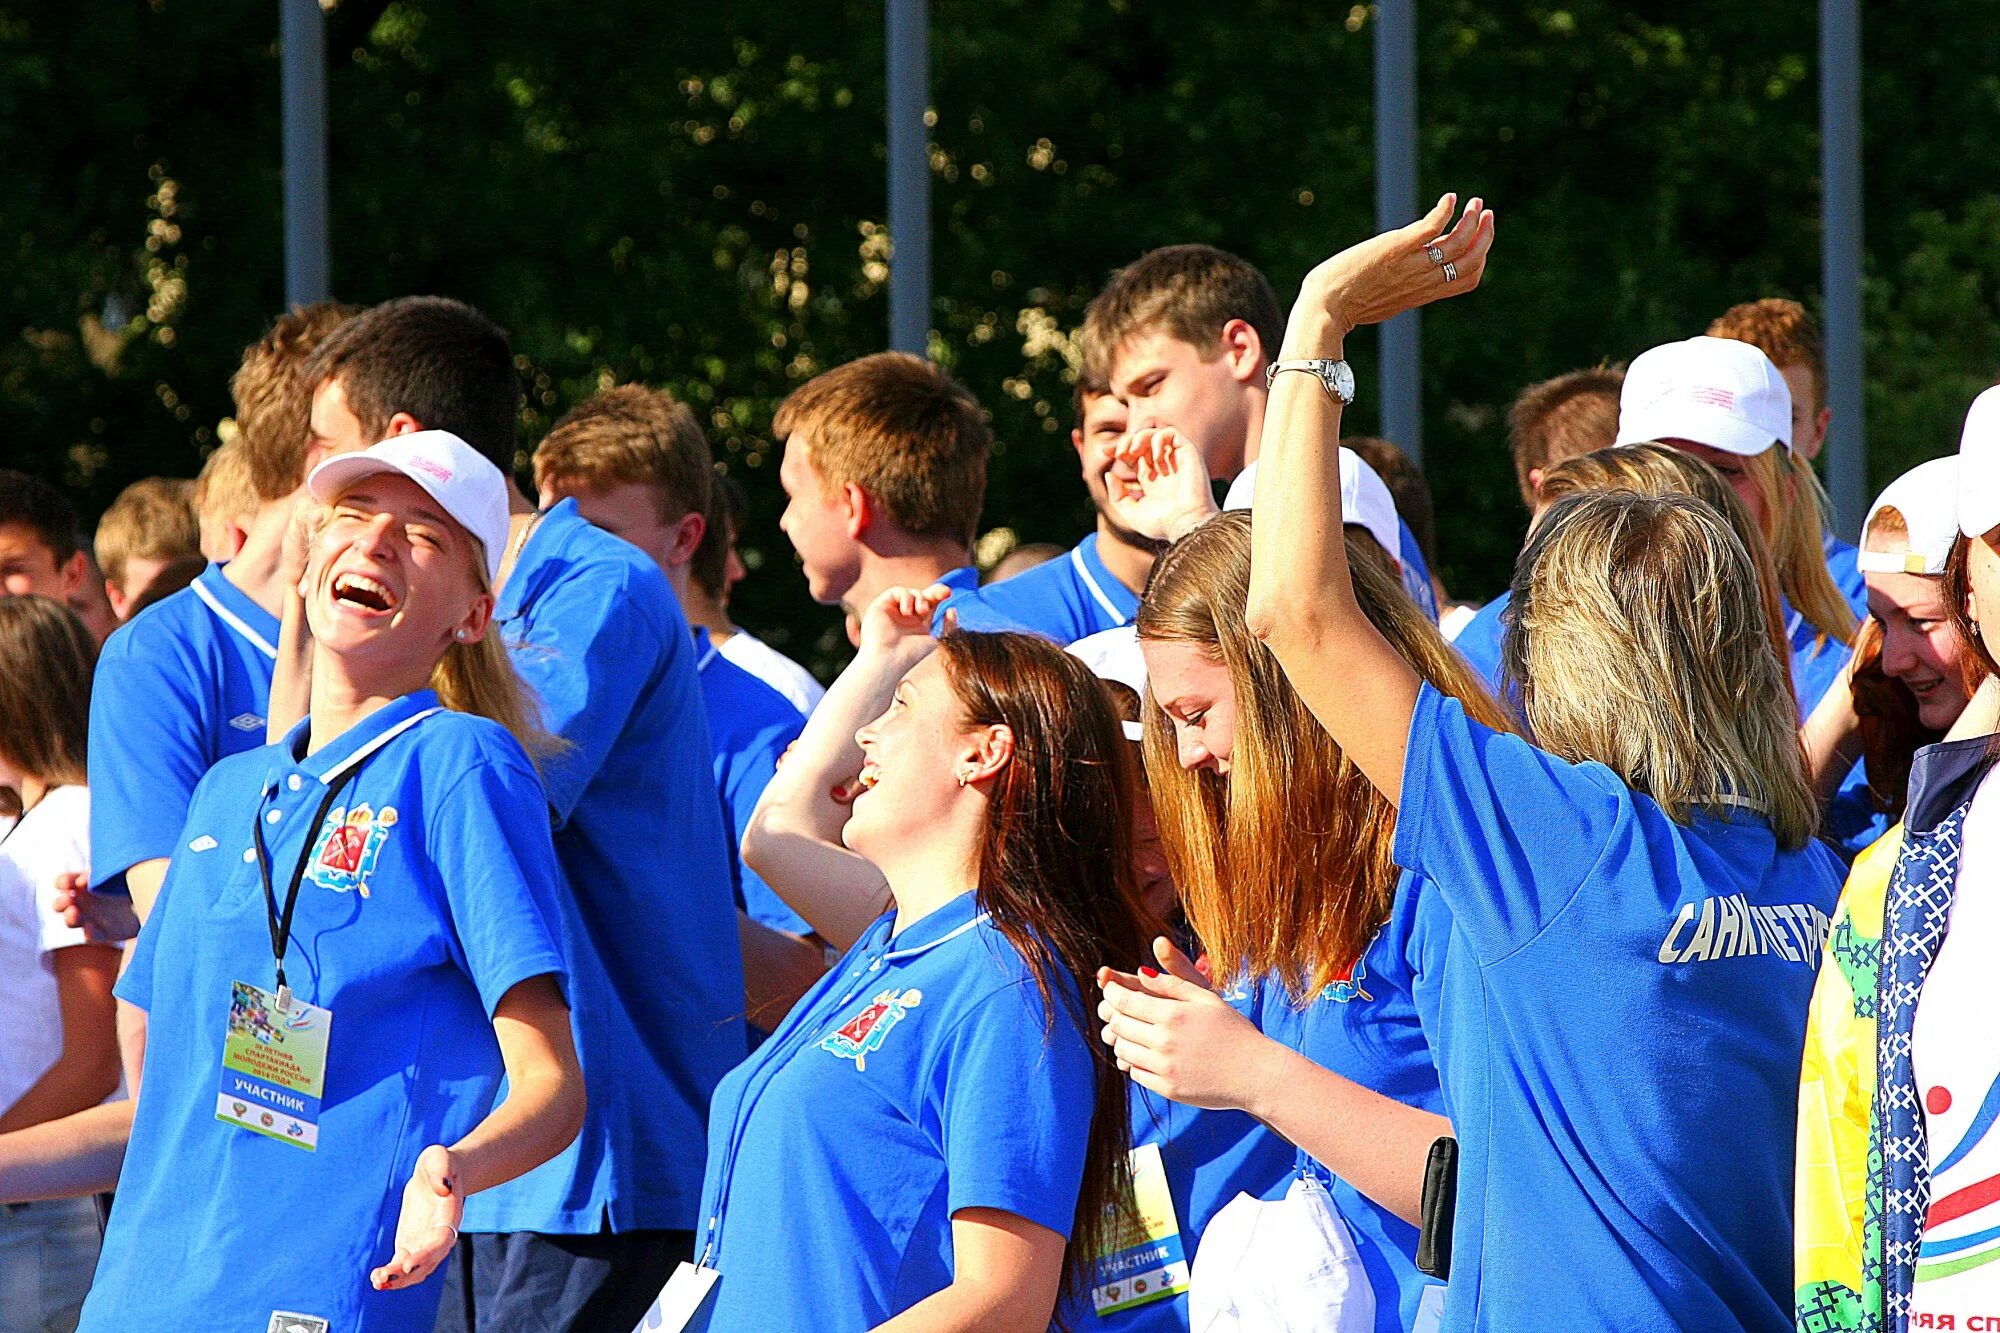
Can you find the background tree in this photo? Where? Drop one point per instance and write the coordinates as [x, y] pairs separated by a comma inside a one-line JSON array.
[[692, 196]]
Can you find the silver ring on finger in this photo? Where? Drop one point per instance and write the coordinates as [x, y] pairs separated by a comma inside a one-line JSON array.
[[1450, 271], [1435, 255]]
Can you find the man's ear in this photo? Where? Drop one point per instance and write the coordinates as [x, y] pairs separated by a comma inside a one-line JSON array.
[[73, 572], [1535, 476], [121, 605], [1243, 352], [402, 424], [860, 507], [687, 538]]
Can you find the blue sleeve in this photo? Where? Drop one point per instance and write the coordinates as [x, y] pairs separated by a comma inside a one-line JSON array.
[[489, 842], [1416, 574], [1028, 1161], [1505, 832], [147, 755], [974, 612], [747, 773], [1479, 642], [589, 653]]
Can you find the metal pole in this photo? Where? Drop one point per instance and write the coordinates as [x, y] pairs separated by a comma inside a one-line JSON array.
[[1840, 258], [302, 78], [1395, 206], [909, 177]]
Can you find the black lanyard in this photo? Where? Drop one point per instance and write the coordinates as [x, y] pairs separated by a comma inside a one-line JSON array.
[[281, 923]]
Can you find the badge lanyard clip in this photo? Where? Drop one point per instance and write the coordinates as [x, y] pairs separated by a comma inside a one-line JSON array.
[[281, 920]]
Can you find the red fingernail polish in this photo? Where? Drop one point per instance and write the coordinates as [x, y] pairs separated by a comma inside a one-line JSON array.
[[1148, 972]]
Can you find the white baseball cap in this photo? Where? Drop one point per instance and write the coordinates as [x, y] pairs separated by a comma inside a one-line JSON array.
[[1113, 654], [1927, 499], [1979, 466], [451, 471], [1364, 501], [1714, 391]]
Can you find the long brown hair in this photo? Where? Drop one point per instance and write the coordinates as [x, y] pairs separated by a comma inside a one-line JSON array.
[[1285, 867], [47, 659], [1978, 662], [1055, 869]]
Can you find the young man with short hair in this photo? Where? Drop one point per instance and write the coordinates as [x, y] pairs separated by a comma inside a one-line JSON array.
[[712, 575], [39, 553], [149, 527], [225, 503], [587, 1240], [1786, 333], [885, 473], [637, 465], [1551, 422]]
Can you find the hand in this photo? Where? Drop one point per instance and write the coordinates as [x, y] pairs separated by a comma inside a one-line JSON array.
[[1388, 274], [1168, 494], [1179, 1038], [300, 530], [105, 917], [899, 620], [428, 1227]]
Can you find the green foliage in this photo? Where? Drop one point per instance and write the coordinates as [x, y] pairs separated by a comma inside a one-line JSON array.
[[693, 196]]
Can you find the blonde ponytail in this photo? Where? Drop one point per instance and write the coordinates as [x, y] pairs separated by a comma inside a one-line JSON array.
[[479, 678], [1794, 528]]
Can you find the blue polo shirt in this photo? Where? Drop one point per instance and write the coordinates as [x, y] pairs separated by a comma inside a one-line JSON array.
[[1619, 1034], [1370, 1028], [1065, 599], [656, 972], [1479, 642], [431, 892], [750, 725], [1416, 573], [181, 686], [920, 1077]]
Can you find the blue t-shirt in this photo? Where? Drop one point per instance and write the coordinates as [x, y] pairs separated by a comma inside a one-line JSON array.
[[1065, 599], [656, 972], [1209, 1157], [1371, 1028], [1619, 1033], [750, 724], [1818, 661], [1416, 574], [431, 892], [1479, 642], [919, 1077], [185, 684]]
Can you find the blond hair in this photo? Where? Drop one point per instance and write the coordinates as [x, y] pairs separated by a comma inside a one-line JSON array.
[[1795, 531], [273, 400], [1285, 867], [1559, 419], [152, 519], [1640, 641], [630, 435], [1659, 469], [1188, 292], [224, 492]]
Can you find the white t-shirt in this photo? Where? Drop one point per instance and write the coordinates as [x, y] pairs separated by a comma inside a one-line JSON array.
[[1955, 1055], [775, 669], [50, 840]]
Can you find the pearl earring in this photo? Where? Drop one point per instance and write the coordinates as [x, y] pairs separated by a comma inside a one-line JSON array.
[[460, 635]]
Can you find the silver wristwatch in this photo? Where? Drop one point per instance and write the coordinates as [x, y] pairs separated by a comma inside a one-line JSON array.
[[1337, 376]]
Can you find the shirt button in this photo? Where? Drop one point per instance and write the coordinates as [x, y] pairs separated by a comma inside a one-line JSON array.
[[249, 854], [294, 782], [273, 816]]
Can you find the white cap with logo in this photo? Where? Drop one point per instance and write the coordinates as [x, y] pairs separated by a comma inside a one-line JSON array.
[[452, 472], [1926, 499], [1365, 501], [1979, 467], [1714, 391]]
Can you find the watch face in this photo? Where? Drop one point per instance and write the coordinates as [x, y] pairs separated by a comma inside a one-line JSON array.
[[1343, 381]]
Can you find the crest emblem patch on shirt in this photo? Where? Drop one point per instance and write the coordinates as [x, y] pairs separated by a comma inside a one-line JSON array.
[[863, 1035], [348, 848], [1346, 988]]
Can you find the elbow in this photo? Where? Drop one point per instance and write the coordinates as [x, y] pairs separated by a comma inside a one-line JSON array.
[[566, 1111], [1283, 621], [755, 847]]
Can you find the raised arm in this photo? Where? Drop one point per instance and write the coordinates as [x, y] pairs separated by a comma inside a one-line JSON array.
[[1302, 603], [793, 839]]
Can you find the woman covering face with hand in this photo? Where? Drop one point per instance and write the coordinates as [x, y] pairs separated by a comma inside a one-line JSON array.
[[357, 938], [931, 1139], [1314, 937], [1635, 899]]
